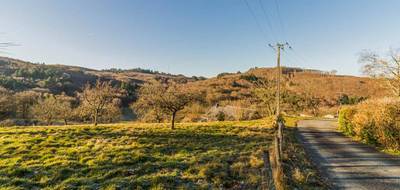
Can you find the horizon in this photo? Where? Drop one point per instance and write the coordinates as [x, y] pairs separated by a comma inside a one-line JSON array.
[[160, 71], [198, 38], [163, 72]]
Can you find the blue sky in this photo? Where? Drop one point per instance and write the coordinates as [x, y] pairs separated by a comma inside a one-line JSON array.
[[198, 37]]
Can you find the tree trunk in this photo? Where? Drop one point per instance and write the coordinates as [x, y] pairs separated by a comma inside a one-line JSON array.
[[173, 121], [95, 118], [65, 122]]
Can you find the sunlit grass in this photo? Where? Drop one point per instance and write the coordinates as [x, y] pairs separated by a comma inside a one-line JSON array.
[[134, 155]]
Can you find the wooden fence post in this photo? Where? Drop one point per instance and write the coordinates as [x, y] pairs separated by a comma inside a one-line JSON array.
[[277, 150], [276, 163], [280, 135]]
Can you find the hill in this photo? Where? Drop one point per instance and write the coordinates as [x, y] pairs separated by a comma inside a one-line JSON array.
[[304, 89], [18, 75], [301, 86]]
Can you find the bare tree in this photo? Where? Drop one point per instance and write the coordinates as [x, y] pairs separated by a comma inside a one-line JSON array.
[[6, 103], [386, 68], [96, 99], [113, 113], [63, 108], [265, 92], [169, 99], [24, 100], [53, 107], [147, 114], [44, 109], [310, 99], [311, 103]]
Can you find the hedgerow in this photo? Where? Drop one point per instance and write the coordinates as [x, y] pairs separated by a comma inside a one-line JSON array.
[[376, 122]]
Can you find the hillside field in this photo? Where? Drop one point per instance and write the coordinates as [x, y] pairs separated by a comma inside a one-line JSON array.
[[120, 156]]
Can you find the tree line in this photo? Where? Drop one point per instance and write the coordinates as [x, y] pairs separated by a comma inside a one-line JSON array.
[[155, 101], [94, 103]]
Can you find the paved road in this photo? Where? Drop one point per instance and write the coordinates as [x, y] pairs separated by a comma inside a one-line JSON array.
[[347, 164]]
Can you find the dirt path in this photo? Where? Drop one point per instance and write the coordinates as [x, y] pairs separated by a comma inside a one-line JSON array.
[[348, 164]]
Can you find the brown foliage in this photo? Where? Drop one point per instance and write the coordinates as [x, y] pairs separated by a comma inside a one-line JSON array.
[[6, 103], [165, 98], [23, 101], [374, 121], [95, 100]]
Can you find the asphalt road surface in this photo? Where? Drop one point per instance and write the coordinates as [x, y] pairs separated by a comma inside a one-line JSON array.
[[345, 163]]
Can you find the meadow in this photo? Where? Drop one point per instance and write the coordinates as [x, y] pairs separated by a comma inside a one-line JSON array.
[[134, 156]]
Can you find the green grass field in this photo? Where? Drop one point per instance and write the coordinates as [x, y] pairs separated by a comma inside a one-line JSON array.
[[134, 156]]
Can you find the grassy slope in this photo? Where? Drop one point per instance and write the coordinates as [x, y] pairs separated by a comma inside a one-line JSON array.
[[200, 155]]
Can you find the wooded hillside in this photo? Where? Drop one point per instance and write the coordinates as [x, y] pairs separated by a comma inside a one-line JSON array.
[[248, 95]]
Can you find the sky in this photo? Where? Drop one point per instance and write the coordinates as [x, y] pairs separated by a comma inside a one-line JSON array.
[[199, 37]]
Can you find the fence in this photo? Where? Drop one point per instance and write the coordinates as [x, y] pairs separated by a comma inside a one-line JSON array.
[[272, 173]]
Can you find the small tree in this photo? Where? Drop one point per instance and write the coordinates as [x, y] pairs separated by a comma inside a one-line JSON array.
[[96, 99], [52, 107], [264, 92], [63, 108], [386, 68], [169, 99], [44, 109], [23, 101], [6, 103], [310, 99], [150, 114], [113, 113], [311, 103]]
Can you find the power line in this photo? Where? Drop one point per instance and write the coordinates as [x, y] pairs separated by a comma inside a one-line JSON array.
[[256, 20], [279, 17], [299, 57], [268, 20], [292, 62], [293, 58]]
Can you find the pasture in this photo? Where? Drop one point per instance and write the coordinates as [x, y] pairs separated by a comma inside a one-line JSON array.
[[134, 156]]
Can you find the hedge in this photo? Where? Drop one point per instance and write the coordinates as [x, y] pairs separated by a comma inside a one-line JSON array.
[[375, 121]]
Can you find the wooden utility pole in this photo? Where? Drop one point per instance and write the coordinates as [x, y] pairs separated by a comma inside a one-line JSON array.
[[278, 93], [278, 47]]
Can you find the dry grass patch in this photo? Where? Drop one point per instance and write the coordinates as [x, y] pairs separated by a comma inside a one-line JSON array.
[[299, 171]]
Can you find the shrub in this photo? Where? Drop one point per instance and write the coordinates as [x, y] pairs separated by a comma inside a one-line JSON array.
[[375, 121], [7, 123], [221, 116], [345, 116], [249, 77]]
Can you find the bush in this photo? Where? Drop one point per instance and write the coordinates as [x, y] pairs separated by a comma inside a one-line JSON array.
[[374, 122], [7, 123], [17, 122], [221, 116], [345, 116]]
